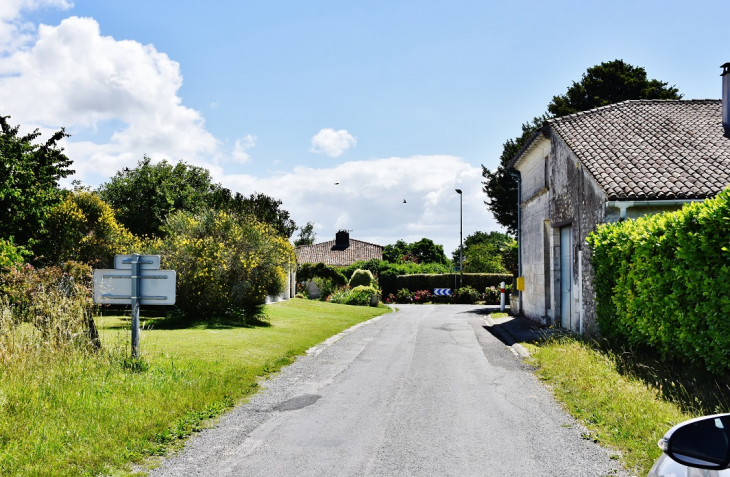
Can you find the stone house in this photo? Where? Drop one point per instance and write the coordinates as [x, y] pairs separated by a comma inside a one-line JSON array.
[[340, 252], [604, 165]]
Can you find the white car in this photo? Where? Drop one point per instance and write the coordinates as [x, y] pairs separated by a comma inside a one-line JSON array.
[[696, 448]]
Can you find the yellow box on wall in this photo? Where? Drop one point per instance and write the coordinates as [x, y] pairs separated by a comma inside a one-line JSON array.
[[521, 283]]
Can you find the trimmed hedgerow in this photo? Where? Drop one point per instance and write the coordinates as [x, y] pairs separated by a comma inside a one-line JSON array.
[[308, 271], [663, 281], [479, 281]]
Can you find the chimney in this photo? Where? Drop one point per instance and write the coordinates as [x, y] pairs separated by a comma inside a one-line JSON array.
[[342, 239], [726, 97]]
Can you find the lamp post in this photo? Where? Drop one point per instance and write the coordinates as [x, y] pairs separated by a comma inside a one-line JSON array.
[[461, 240]]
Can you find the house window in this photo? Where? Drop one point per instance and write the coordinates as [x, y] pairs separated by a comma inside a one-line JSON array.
[[547, 172]]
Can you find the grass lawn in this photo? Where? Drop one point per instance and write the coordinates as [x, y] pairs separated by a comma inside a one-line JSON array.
[[85, 413], [628, 401]]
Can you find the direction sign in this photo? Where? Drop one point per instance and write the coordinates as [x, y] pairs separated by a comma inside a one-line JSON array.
[[146, 262], [114, 287], [442, 291]]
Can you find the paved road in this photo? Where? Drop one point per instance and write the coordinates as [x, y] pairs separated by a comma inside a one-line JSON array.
[[427, 391]]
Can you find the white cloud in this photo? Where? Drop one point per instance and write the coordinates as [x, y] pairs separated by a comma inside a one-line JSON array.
[[14, 32], [239, 154], [72, 76], [331, 142], [369, 198]]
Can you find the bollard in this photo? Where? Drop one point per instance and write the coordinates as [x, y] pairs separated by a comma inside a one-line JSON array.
[[502, 297]]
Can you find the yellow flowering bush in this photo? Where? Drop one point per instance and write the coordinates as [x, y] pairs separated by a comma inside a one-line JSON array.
[[223, 261], [83, 228]]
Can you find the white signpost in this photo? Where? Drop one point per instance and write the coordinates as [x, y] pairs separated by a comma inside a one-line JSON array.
[[136, 280]]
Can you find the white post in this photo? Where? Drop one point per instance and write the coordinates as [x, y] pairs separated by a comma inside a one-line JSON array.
[[502, 298]]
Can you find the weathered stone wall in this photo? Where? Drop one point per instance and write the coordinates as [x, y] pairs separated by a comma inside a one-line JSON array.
[[532, 246], [534, 209], [577, 201]]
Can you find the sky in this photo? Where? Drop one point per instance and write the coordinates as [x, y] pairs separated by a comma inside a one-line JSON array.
[[392, 101]]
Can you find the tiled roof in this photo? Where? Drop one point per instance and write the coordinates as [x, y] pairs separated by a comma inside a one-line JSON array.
[[329, 254], [651, 149]]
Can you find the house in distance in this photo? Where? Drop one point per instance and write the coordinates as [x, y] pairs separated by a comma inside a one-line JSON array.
[[340, 252]]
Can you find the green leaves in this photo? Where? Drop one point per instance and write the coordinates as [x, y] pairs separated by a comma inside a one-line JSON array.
[[664, 281], [29, 174]]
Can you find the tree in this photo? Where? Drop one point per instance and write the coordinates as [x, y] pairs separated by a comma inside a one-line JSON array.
[[480, 258], [145, 196], [306, 235], [488, 253], [496, 241], [260, 206], [423, 251], [29, 175], [500, 186], [607, 83]]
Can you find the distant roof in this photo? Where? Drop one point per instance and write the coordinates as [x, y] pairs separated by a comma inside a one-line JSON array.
[[651, 149], [330, 254]]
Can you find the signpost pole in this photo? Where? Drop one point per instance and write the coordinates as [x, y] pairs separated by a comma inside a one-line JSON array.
[[136, 294]]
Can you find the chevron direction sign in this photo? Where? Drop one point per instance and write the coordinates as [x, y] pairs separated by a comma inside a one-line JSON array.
[[442, 291]]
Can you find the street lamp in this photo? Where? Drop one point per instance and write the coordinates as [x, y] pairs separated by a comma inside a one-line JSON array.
[[461, 240]]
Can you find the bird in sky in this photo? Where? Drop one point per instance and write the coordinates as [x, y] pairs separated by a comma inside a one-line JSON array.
[[337, 183], [404, 201]]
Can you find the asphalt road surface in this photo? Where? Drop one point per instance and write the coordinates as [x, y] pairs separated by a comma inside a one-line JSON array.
[[426, 391]]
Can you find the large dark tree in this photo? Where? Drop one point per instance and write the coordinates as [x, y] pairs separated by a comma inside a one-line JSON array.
[[29, 175], [500, 186], [607, 83]]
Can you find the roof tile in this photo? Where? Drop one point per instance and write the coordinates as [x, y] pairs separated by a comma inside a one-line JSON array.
[[327, 253], [649, 149]]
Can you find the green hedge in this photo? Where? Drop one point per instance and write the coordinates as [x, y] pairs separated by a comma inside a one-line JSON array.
[[308, 271], [429, 281], [663, 281]]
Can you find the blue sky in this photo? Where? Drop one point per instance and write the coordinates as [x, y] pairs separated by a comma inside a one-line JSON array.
[[394, 100]]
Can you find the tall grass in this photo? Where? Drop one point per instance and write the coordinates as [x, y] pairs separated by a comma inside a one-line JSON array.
[[628, 399], [68, 408]]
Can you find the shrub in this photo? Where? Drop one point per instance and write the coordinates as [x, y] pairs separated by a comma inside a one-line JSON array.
[[663, 281], [390, 299], [308, 271], [492, 295], [386, 273], [361, 277], [422, 296], [223, 261], [404, 295], [11, 255], [55, 301], [325, 286], [83, 228], [359, 296], [465, 295]]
